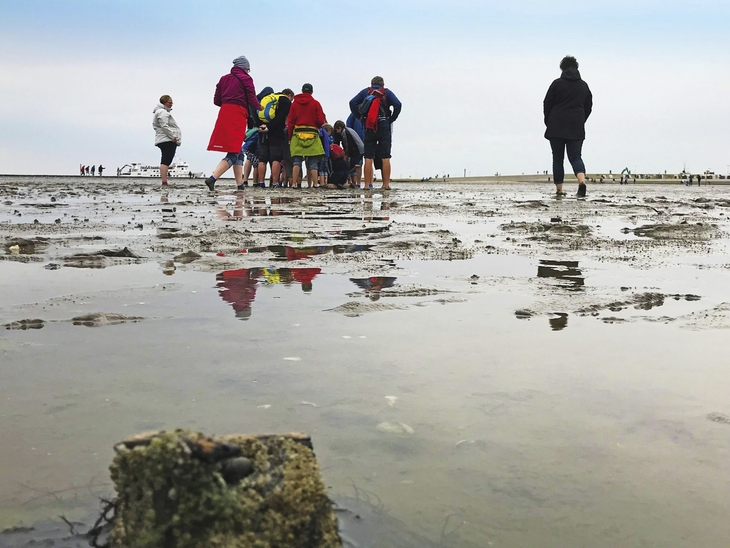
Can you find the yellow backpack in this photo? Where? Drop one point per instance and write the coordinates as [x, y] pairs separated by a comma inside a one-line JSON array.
[[268, 107]]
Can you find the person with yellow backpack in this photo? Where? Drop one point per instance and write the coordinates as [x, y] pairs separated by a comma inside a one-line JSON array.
[[272, 136]]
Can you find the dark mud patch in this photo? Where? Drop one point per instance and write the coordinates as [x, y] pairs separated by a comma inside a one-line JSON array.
[[354, 309], [187, 257], [401, 291], [559, 229], [102, 258], [25, 246], [641, 301], [719, 418], [49, 534], [679, 231], [25, 324], [98, 319]]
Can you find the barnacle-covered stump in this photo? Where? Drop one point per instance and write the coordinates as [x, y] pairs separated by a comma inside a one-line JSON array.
[[184, 489]]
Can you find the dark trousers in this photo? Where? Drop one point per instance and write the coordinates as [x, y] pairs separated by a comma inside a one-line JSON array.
[[574, 148]]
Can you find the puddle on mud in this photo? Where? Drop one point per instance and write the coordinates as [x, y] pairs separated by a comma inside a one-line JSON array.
[[544, 428]]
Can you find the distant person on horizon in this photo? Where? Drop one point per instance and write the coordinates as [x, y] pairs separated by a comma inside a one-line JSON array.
[[167, 134], [567, 105], [377, 108], [235, 94], [101, 170], [87, 170], [83, 169], [93, 170]]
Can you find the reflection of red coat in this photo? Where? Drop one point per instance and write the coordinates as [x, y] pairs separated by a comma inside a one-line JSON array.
[[230, 129], [238, 287], [305, 275]]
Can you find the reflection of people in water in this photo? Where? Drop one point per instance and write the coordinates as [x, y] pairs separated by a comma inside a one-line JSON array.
[[373, 285], [566, 272], [238, 287], [560, 322], [305, 276]]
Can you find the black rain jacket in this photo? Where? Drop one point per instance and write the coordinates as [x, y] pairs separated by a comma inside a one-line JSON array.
[[567, 105]]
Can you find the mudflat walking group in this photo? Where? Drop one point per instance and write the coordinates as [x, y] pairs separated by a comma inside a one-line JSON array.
[[289, 132]]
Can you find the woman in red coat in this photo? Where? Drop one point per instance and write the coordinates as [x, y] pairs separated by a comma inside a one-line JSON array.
[[236, 96]]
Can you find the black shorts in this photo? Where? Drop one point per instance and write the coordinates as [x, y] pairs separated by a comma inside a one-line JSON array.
[[168, 149], [377, 143], [271, 148]]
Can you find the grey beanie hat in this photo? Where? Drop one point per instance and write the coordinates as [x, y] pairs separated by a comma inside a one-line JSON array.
[[242, 63]]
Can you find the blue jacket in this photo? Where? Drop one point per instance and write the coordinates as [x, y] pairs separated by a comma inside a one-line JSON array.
[[354, 122], [391, 102]]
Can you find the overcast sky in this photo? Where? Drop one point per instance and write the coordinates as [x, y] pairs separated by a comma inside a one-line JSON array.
[[79, 78]]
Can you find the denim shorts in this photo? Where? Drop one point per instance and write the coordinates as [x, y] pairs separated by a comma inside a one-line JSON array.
[[234, 158], [312, 161]]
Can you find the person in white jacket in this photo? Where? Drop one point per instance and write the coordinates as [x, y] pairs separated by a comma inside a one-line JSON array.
[[167, 134]]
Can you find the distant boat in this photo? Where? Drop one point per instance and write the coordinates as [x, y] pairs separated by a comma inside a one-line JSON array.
[[180, 169]]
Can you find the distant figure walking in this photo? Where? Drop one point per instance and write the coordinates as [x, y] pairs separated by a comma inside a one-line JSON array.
[[87, 170], [235, 94], [101, 170], [93, 170], [83, 170], [567, 105], [167, 134]]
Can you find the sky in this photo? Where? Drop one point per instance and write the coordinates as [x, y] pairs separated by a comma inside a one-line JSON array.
[[79, 78]]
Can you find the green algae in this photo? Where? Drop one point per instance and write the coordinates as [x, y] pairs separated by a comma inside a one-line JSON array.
[[172, 493]]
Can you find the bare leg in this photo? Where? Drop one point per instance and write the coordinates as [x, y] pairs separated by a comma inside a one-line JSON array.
[[368, 172], [238, 174], [246, 170], [386, 173], [163, 172], [358, 175], [558, 188], [275, 172], [581, 178], [311, 177], [220, 169], [295, 176], [262, 171]]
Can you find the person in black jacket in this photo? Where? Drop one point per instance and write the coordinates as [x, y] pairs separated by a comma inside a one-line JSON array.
[[273, 139], [567, 106]]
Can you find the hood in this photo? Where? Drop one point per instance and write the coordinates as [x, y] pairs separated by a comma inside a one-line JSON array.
[[303, 98], [268, 90], [571, 74], [160, 106], [239, 72]]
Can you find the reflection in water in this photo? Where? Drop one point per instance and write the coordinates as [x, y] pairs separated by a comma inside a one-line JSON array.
[[567, 273], [560, 322], [256, 206], [371, 205], [373, 285], [289, 253], [238, 287]]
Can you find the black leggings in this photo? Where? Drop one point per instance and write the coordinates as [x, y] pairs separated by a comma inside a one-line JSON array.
[[574, 149], [168, 149]]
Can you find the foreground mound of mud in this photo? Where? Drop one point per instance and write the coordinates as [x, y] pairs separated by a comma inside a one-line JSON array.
[[680, 231]]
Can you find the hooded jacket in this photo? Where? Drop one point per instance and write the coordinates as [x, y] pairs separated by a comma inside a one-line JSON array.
[[166, 129], [305, 111], [567, 105], [236, 88]]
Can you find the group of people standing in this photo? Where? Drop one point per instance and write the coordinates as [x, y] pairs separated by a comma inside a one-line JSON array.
[[289, 132], [91, 171]]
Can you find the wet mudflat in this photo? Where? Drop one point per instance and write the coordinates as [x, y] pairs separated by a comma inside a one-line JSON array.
[[477, 364]]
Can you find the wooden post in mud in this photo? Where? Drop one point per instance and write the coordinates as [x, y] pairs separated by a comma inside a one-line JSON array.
[[184, 489]]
